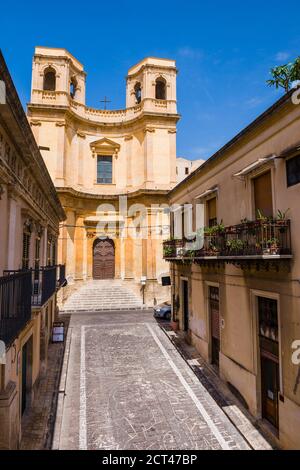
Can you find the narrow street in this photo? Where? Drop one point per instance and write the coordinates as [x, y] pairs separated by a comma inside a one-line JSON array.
[[127, 387]]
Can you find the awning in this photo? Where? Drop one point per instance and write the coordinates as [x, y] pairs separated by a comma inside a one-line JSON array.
[[290, 151], [254, 166], [208, 192]]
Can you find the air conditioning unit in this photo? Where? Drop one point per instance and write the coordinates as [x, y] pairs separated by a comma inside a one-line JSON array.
[[180, 251]]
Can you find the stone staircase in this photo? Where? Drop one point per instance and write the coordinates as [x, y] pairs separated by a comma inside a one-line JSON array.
[[102, 295]]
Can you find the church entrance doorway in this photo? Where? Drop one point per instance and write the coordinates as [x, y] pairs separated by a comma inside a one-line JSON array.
[[103, 259]]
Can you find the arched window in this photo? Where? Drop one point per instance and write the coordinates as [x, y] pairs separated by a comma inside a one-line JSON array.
[[49, 79], [160, 89], [73, 87], [138, 92]]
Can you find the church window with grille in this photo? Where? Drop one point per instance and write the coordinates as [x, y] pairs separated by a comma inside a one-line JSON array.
[[104, 169]]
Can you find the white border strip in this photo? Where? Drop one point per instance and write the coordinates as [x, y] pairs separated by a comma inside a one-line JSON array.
[[82, 410], [200, 407]]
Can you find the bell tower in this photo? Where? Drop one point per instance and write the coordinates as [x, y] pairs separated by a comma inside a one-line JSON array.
[[152, 82], [57, 78]]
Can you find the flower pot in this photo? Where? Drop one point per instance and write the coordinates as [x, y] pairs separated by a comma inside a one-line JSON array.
[[175, 325]]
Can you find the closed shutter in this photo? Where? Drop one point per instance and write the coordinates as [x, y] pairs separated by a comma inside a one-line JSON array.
[[263, 195], [26, 247], [212, 212]]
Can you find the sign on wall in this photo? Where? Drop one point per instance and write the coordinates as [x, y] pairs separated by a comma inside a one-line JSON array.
[[58, 332]]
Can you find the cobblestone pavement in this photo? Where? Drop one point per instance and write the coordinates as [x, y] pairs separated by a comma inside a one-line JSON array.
[[127, 387], [38, 420]]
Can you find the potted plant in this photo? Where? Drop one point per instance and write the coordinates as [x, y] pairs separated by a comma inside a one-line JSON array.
[[168, 251], [281, 219], [273, 245], [235, 245]]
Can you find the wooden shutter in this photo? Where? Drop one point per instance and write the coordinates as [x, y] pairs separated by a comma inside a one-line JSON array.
[[263, 194], [211, 206], [25, 253]]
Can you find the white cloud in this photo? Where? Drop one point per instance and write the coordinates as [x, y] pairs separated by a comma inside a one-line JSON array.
[[190, 53], [282, 56], [253, 102]]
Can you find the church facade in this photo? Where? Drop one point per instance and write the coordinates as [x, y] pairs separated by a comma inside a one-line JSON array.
[[112, 168]]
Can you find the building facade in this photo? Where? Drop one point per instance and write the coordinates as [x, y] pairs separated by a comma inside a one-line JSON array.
[[29, 277], [184, 167], [237, 297], [97, 156]]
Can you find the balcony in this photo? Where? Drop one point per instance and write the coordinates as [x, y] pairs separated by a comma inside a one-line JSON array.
[[260, 240], [15, 304], [45, 281]]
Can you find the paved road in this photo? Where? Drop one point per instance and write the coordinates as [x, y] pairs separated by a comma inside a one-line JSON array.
[[128, 388]]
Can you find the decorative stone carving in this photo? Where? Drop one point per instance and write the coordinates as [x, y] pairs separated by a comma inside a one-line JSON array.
[[105, 147], [149, 129]]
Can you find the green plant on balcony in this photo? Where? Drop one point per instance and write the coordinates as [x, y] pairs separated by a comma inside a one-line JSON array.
[[281, 219], [273, 246], [168, 251], [235, 245]]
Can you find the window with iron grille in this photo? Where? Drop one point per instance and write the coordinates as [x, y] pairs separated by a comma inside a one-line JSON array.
[[26, 248], [104, 169], [293, 171], [268, 318]]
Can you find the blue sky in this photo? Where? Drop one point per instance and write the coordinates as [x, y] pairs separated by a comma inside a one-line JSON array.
[[223, 50]]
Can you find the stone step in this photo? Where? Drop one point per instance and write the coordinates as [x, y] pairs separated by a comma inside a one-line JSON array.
[[102, 295]]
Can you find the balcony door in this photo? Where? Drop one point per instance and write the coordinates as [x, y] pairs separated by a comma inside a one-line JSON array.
[[263, 199]]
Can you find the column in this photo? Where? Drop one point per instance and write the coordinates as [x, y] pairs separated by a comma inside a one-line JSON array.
[[148, 155], [70, 248], [80, 140], [60, 159]]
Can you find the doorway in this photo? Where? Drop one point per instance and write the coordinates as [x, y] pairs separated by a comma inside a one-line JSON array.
[[26, 384], [104, 259], [269, 359], [185, 304], [214, 311]]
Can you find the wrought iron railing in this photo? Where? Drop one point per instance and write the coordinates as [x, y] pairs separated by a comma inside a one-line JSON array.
[[61, 276], [15, 304], [261, 238], [44, 284]]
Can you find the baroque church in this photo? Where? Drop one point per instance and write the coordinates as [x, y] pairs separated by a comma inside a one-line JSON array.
[[112, 168]]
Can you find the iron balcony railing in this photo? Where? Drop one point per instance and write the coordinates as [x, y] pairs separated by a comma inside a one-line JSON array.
[[15, 304], [61, 275], [261, 238], [45, 281]]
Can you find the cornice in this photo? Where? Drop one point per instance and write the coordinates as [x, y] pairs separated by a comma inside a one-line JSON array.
[[130, 195]]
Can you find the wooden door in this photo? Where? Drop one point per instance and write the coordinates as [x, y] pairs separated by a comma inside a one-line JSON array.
[[270, 389], [263, 194], [104, 259]]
